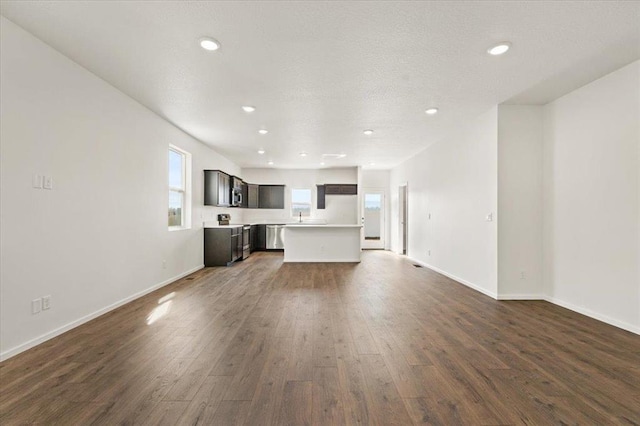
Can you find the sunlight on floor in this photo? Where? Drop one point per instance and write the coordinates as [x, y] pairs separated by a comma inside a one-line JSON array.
[[159, 312], [166, 298]]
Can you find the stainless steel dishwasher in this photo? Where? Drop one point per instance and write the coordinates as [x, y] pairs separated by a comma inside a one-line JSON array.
[[275, 237]]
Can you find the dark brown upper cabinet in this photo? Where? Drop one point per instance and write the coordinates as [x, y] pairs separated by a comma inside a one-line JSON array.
[[341, 189], [334, 189], [271, 197], [217, 188]]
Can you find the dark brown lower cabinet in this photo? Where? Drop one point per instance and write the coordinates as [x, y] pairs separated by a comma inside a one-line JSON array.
[[222, 246], [258, 237]]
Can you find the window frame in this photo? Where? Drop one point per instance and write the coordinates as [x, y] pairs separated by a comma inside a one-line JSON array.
[[185, 189], [310, 202]]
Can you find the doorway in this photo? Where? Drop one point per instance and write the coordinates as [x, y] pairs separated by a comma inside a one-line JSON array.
[[402, 214], [373, 219]]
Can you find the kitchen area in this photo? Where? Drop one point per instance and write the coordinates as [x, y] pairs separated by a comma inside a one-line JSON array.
[[263, 211]]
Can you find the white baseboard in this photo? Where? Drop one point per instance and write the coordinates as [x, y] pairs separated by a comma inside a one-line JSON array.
[[524, 296], [322, 261], [73, 324], [587, 312], [453, 277], [521, 296]]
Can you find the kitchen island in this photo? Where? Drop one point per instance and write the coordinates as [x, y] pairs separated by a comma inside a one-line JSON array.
[[322, 243]]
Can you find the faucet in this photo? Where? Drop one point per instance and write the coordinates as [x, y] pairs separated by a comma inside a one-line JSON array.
[[300, 216]]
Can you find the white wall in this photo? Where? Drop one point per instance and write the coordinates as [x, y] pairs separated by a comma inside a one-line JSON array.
[[100, 236], [520, 202], [456, 181], [567, 180], [591, 199], [340, 209]]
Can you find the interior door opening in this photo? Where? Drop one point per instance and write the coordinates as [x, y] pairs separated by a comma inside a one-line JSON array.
[[373, 219], [402, 214]]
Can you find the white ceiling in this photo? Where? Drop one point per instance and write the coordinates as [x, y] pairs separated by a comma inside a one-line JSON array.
[[320, 73]]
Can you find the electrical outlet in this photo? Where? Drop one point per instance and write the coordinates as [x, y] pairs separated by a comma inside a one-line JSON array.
[[523, 275], [37, 181], [36, 306], [48, 182], [429, 216], [429, 252], [489, 217], [46, 302], [164, 264]]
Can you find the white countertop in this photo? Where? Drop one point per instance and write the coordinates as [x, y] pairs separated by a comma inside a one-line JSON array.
[[303, 225], [215, 225], [287, 222]]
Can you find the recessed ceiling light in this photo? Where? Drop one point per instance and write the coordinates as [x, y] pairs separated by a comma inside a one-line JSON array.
[[261, 151], [499, 48], [248, 108], [342, 155], [432, 111], [263, 131], [270, 163], [208, 43], [303, 154], [372, 164], [368, 132], [322, 163]]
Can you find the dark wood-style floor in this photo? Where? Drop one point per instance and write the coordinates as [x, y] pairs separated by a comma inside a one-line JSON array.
[[381, 342]]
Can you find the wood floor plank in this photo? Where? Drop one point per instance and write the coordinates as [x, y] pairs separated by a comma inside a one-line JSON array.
[[243, 385], [409, 386], [166, 413], [202, 407], [380, 342], [231, 413], [386, 406], [228, 365], [353, 391], [324, 353], [267, 400], [301, 364], [327, 400], [297, 404], [362, 338]]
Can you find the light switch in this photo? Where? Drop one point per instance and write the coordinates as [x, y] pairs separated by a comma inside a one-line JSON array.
[[489, 217], [48, 182], [37, 181], [36, 306]]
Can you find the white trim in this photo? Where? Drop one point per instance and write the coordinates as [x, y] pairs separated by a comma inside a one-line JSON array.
[[73, 324], [521, 296], [185, 190], [405, 238], [587, 312], [458, 279]]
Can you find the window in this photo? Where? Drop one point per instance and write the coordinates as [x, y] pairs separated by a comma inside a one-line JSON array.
[[300, 202], [179, 188], [372, 201]]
